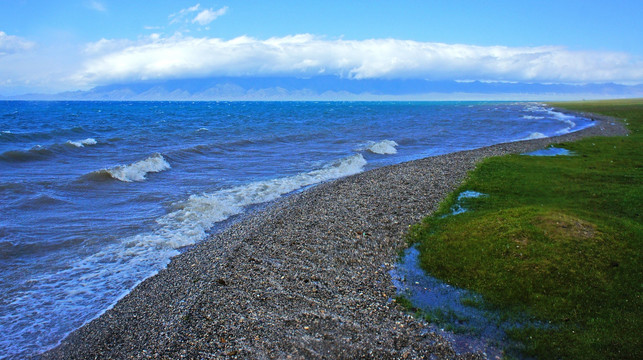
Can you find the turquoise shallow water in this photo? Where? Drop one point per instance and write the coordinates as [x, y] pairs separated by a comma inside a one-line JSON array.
[[97, 196]]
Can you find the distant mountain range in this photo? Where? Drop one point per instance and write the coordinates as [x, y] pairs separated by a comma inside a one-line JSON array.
[[334, 88]]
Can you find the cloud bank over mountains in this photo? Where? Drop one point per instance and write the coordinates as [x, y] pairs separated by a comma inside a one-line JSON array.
[[182, 66], [306, 55]]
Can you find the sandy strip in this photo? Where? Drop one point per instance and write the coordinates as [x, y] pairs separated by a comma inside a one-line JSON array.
[[307, 277]]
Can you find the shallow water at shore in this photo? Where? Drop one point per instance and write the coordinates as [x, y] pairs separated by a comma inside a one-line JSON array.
[[552, 151], [456, 314], [471, 329]]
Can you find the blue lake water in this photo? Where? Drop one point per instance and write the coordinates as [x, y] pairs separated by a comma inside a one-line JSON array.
[[97, 196]]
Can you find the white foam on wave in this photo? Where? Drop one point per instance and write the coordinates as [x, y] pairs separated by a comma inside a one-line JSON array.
[[535, 108], [384, 147], [567, 119], [82, 143], [534, 135], [137, 171], [196, 215]]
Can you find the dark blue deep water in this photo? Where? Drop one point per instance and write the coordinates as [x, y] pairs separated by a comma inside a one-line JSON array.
[[97, 196]]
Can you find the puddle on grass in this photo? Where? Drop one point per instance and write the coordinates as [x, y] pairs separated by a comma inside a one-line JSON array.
[[456, 314], [468, 329], [458, 208], [552, 151]]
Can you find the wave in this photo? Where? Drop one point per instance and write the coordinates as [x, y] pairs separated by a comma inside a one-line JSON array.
[[133, 172], [41, 200], [11, 249], [569, 120], [195, 216], [534, 135], [39, 136], [535, 108], [137, 257], [201, 149], [17, 188], [39, 152], [384, 147], [566, 119], [35, 153], [82, 143]]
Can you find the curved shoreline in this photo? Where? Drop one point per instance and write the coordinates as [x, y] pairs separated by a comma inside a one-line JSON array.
[[307, 277]]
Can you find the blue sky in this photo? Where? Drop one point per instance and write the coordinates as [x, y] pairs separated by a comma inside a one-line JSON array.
[[50, 46]]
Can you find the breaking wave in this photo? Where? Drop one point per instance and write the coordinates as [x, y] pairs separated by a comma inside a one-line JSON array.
[[135, 171], [196, 215], [534, 135], [82, 143], [384, 147], [566, 119], [535, 108], [572, 122]]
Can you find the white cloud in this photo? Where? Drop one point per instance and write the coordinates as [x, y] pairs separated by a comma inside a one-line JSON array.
[[208, 15], [104, 46], [10, 44], [308, 55], [192, 9], [96, 5], [43, 68], [180, 16]]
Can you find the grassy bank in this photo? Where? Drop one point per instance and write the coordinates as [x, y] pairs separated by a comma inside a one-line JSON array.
[[559, 238]]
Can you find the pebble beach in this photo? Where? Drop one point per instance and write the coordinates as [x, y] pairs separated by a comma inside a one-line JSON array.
[[304, 277]]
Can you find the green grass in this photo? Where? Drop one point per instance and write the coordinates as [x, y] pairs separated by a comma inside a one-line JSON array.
[[559, 238]]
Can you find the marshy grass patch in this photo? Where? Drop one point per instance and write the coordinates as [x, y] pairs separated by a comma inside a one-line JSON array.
[[558, 238]]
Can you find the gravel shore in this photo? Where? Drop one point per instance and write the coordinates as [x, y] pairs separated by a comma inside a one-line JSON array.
[[306, 277]]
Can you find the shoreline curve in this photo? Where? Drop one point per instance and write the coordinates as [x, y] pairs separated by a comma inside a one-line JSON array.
[[305, 277]]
